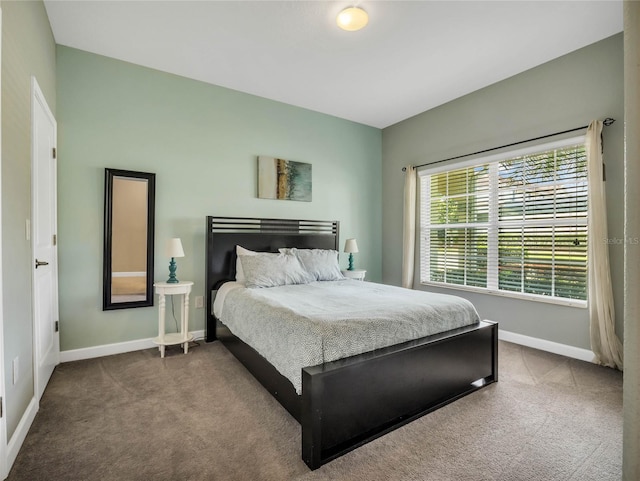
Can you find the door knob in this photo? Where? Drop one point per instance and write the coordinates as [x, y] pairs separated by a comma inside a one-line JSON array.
[[41, 263]]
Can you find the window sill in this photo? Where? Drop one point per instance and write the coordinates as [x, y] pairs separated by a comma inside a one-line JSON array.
[[514, 295]]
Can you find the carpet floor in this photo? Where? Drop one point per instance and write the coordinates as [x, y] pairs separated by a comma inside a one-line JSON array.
[[202, 416]]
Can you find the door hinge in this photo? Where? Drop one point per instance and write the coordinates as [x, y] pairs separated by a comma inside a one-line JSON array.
[[57, 326], [1, 404], [55, 239], [54, 152]]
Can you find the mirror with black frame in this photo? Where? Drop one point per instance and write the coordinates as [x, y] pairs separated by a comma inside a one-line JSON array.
[[129, 211]]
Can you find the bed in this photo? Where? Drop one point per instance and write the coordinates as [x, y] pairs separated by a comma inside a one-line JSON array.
[[344, 403]]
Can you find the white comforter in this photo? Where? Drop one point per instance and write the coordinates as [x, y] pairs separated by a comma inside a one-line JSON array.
[[296, 326]]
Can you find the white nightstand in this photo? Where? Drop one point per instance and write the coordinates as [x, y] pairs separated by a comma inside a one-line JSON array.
[[357, 274], [163, 289]]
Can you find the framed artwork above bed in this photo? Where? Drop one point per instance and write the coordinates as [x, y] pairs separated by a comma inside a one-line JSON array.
[[284, 179]]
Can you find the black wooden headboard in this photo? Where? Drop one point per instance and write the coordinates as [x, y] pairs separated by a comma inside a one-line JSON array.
[[263, 235]]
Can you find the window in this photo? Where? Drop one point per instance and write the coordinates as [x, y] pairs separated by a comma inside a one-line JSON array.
[[512, 225]]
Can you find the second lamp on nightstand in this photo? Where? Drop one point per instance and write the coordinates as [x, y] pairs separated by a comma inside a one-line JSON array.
[[351, 247]]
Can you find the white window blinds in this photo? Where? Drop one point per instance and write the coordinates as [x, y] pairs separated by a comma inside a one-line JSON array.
[[516, 225]]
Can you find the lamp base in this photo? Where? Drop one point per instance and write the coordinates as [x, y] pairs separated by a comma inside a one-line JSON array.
[[351, 267], [172, 272]]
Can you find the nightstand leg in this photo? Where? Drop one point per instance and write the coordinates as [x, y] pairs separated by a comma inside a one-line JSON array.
[[162, 303], [185, 320]]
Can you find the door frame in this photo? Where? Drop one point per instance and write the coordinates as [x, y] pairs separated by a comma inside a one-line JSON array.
[[3, 419], [38, 97]]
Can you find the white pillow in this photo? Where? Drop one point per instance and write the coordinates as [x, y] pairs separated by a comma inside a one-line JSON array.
[[241, 251], [270, 270], [321, 264]]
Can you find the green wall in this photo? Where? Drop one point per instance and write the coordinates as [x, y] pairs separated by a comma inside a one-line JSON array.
[[567, 92], [202, 142], [28, 50]]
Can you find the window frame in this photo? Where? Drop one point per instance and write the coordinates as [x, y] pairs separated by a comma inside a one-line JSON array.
[[492, 288]]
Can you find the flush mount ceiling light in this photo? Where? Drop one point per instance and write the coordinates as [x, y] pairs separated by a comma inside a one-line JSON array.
[[352, 19]]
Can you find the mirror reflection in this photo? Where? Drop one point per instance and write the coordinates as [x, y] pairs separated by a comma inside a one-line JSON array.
[[128, 276]]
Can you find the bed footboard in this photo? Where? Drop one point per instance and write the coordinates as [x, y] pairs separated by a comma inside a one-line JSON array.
[[352, 401]]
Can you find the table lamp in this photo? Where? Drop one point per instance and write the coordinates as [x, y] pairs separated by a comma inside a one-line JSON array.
[[351, 247], [173, 249]]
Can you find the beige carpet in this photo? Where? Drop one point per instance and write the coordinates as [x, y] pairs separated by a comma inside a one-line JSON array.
[[201, 416]]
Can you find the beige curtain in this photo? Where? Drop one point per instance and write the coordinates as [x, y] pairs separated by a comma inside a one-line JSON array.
[[604, 342], [409, 227]]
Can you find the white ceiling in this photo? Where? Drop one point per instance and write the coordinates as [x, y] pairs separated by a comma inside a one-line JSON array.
[[413, 55]]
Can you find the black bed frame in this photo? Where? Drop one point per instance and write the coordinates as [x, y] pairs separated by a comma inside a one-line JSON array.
[[348, 402]]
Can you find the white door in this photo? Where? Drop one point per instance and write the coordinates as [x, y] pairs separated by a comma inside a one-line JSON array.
[[43, 234]]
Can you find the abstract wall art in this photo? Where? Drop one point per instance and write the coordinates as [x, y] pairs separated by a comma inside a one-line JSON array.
[[283, 179]]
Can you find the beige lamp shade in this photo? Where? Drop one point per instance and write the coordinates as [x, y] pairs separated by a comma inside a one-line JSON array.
[[351, 246], [174, 248]]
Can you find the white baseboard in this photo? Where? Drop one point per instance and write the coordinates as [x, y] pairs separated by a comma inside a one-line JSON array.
[[19, 435], [137, 345], [116, 348], [549, 346]]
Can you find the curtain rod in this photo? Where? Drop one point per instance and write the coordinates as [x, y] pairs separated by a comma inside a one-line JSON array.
[[608, 121]]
